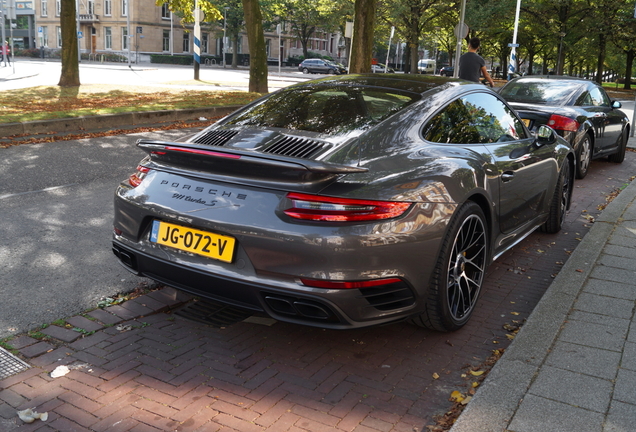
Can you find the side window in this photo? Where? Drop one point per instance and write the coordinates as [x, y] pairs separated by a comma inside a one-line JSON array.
[[478, 118], [584, 100], [599, 98]]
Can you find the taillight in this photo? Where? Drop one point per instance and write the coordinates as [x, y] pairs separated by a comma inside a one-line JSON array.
[[558, 122], [332, 284], [322, 208], [138, 176]]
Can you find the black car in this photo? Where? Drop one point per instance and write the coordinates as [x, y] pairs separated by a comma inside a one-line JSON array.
[[321, 66], [347, 201], [578, 109], [447, 71]]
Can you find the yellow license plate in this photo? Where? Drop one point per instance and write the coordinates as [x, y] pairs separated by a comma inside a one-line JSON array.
[[204, 243], [526, 122]]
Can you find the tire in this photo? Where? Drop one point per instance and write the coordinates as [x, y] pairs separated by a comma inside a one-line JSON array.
[[583, 157], [331, 72], [619, 156], [305, 70], [459, 272], [560, 202]]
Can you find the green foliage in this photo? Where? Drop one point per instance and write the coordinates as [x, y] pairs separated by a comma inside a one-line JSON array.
[[184, 9]]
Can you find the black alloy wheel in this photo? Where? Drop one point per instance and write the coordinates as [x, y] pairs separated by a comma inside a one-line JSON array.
[[459, 272], [583, 157]]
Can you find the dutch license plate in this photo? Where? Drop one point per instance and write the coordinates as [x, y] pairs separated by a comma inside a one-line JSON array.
[[204, 243], [526, 121]]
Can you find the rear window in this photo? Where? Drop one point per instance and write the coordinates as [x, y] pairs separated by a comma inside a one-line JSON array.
[[326, 110], [545, 92]]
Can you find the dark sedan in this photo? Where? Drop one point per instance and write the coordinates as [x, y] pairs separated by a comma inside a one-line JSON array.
[[346, 201], [577, 109]]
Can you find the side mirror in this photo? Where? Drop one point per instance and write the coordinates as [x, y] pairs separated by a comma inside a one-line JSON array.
[[616, 104], [546, 135]]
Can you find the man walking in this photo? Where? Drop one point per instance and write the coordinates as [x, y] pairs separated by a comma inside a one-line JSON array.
[[471, 64]]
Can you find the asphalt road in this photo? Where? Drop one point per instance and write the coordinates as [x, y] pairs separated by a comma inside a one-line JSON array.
[[56, 212]]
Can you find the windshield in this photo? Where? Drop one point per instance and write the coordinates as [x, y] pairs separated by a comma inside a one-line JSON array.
[[327, 110], [545, 92]]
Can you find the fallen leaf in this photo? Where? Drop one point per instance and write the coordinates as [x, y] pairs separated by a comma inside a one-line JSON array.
[[515, 313], [435, 375], [476, 373], [465, 400], [456, 396], [510, 336]]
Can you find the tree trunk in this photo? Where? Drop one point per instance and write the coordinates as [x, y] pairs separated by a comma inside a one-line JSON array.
[[235, 52], [602, 41], [362, 43], [256, 41], [70, 63]]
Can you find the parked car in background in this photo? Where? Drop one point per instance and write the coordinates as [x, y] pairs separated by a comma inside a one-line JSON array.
[[380, 68], [447, 71], [321, 66], [346, 201], [578, 109]]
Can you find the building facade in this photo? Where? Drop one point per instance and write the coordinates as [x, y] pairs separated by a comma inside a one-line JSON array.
[[141, 28]]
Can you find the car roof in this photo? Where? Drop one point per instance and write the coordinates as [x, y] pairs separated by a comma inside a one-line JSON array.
[[414, 83]]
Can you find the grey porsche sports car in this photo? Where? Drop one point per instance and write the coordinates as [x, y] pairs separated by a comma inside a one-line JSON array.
[[345, 202]]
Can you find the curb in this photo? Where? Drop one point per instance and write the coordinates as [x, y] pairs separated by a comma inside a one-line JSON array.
[[498, 398], [110, 121]]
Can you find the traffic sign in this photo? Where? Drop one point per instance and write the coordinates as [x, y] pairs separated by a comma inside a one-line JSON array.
[[511, 45]]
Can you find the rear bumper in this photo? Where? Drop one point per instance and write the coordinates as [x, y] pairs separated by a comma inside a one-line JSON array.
[[324, 308]]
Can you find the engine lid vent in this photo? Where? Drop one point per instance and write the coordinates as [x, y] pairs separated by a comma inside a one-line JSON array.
[[295, 147], [216, 137]]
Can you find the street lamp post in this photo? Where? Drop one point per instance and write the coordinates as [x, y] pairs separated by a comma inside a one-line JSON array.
[[224, 32], [559, 71]]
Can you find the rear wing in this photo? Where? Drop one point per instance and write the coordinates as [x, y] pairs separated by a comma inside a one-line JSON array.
[[243, 166]]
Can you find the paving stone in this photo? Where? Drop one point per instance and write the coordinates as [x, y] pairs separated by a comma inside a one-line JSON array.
[[37, 349], [610, 289], [621, 418], [583, 359], [604, 305], [624, 391], [84, 323], [22, 342], [63, 334], [613, 274], [121, 312], [136, 308], [617, 262], [573, 388], [594, 335], [105, 317], [540, 414]]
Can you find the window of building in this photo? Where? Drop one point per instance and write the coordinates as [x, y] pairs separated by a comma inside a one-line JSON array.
[[108, 38], [58, 7], [268, 47], [165, 12], [124, 7], [58, 31], [90, 7], [108, 7], [44, 8], [166, 40], [186, 42], [204, 43], [124, 38], [45, 36]]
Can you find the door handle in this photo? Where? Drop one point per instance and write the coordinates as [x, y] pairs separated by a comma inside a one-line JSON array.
[[507, 176]]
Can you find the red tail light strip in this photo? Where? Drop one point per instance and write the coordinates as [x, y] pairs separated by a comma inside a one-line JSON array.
[[322, 208], [202, 152]]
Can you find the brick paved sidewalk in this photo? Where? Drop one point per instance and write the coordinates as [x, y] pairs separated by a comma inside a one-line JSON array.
[[148, 371]]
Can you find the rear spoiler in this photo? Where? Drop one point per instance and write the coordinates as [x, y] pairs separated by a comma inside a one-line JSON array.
[[240, 164]]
